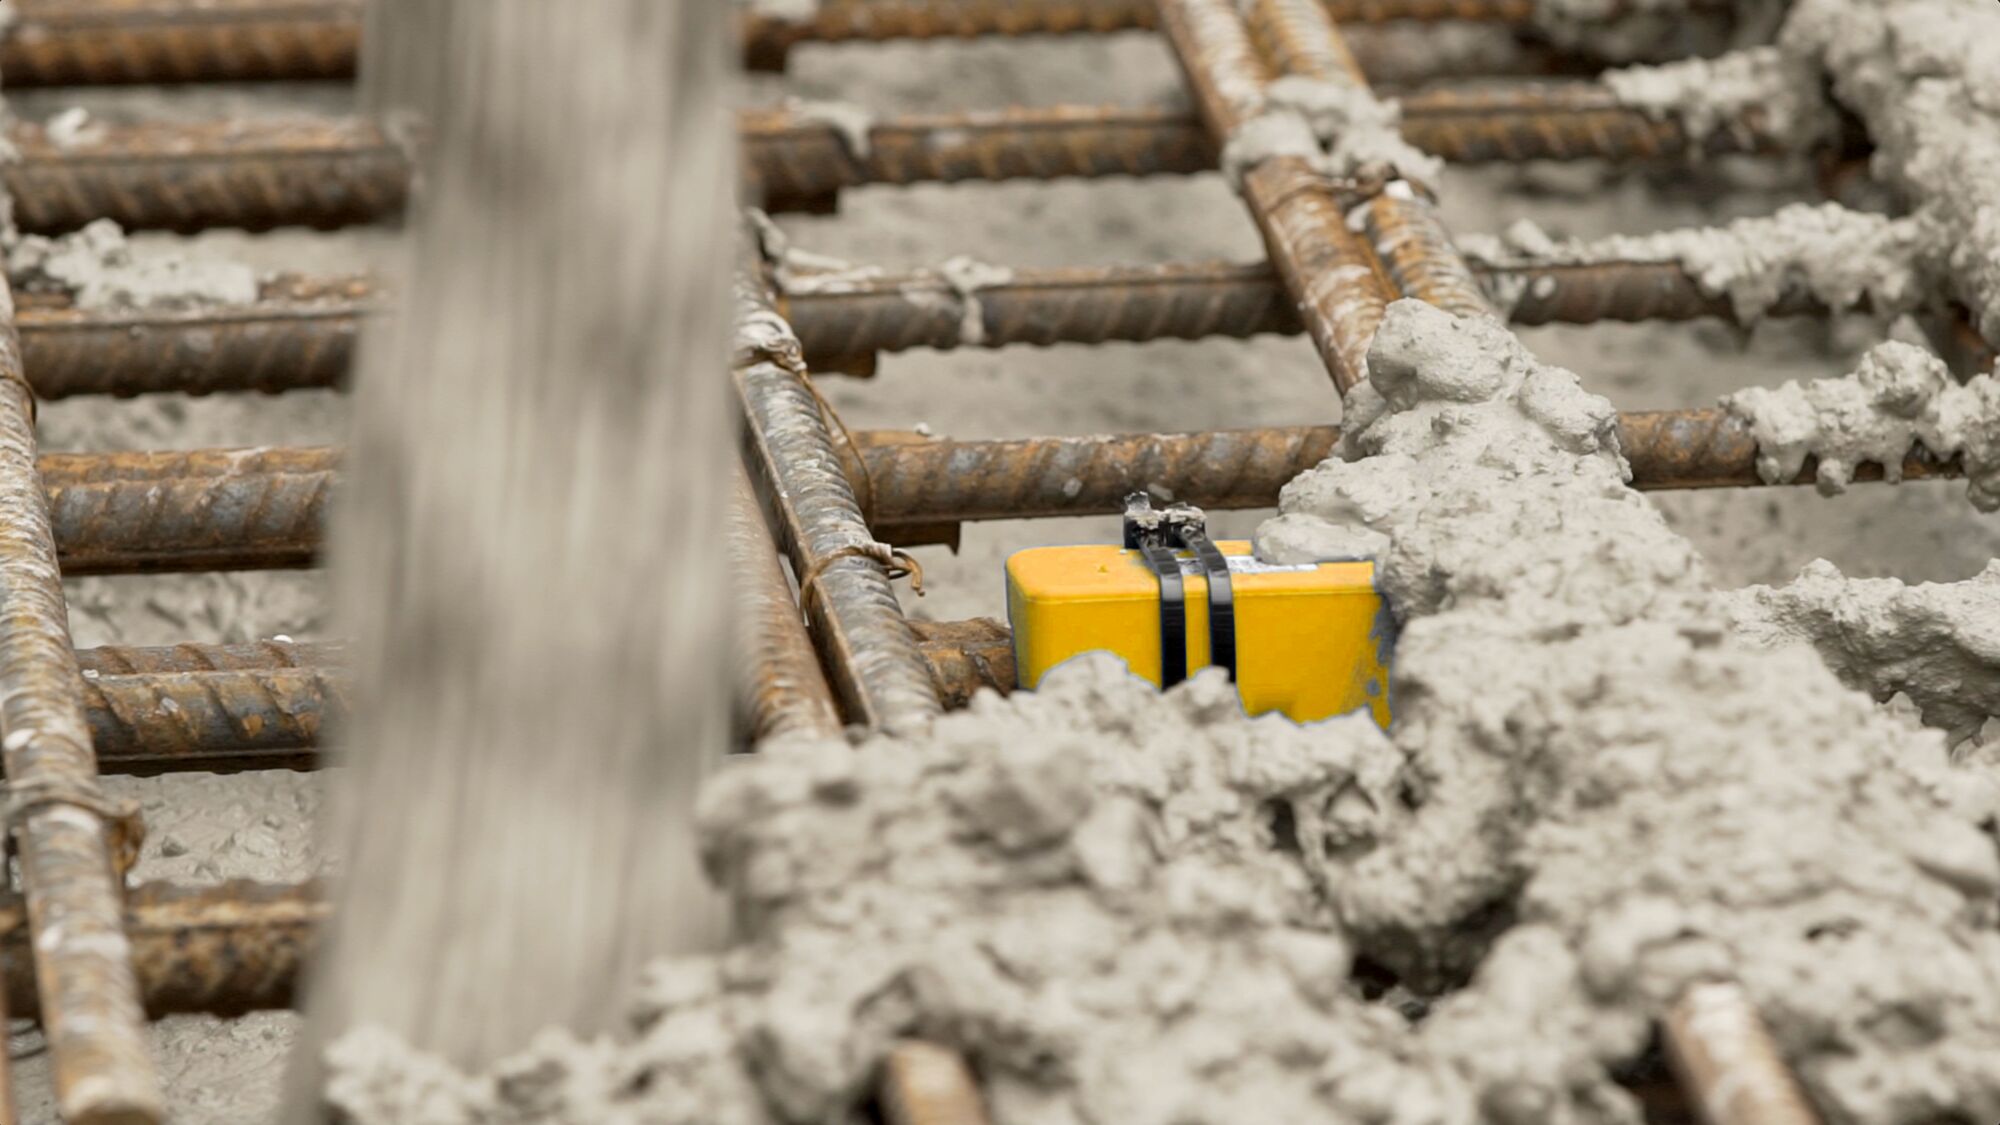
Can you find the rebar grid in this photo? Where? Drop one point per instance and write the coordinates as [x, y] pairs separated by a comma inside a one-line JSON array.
[[224, 707]]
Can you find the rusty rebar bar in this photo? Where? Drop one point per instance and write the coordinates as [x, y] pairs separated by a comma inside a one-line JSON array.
[[302, 331], [78, 42], [782, 685], [1728, 1062], [60, 819], [802, 483], [795, 158], [224, 950], [319, 172], [1031, 478], [331, 172], [216, 708], [870, 311], [299, 334], [119, 513], [767, 38], [215, 509], [966, 656], [95, 42]]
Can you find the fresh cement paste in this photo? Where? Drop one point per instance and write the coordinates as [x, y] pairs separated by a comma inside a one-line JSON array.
[[1132, 908], [98, 269], [1108, 898], [1901, 396], [1710, 95], [1924, 76], [1937, 643], [1636, 799], [1842, 259]]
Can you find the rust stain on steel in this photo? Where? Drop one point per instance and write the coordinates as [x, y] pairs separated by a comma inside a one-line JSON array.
[[214, 509], [929, 1084], [966, 656], [1725, 1056], [320, 172], [82, 961], [785, 688], [300, 333], [799, 477], [94, 42], [227, 949]]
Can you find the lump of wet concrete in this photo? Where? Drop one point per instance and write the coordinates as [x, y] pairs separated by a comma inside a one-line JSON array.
[[1898, 397], [1102, 894], [1845, 259], [98, 269], [1710, 95], [1936, 642], [1607, 796], [1924, 77]]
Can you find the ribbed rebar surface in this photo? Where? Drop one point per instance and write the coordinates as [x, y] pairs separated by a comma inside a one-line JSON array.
[[218, 708], [227, 949], [784, 689], [93, 42], [60, 822], [319, 172], [214, 509], [300, 334]]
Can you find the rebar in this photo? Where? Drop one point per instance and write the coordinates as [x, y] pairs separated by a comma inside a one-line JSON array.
[[784, 688], [332, 172], [62, 823], [224, 950], [966, 656], [799, 477], [216, 509], [866, 311], [1728, 1062], [796, 159], [300, 333], [1684, 449], [1033, 478], [94, 42], [215, 708], [319, 172], [77, 42]]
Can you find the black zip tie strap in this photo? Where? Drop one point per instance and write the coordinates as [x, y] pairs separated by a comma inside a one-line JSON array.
[[1221, 600], [1173, 612]]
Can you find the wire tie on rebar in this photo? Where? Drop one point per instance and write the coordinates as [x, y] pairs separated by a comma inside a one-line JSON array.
[[895, 562], [121, 816]]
